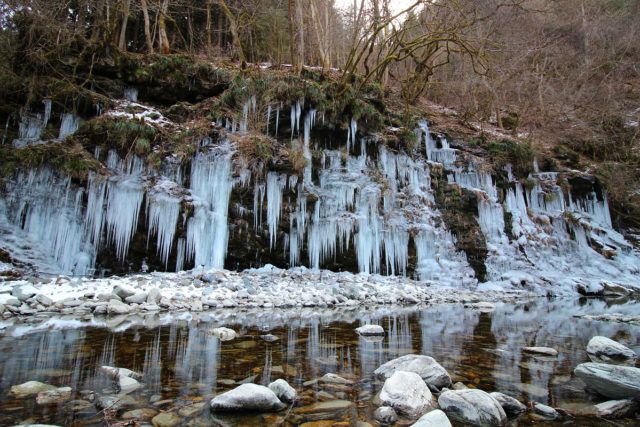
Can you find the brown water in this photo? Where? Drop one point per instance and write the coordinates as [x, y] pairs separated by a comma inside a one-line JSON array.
[[182, 363]]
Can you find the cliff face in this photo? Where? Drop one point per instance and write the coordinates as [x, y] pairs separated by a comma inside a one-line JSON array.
[[227, 171]]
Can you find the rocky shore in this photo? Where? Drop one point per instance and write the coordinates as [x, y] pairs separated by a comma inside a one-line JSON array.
[[196, 290]]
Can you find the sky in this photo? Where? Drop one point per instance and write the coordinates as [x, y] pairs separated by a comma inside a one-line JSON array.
[[396, 5]]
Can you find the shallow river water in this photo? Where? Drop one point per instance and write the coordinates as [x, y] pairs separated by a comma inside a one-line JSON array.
[[183, 365]]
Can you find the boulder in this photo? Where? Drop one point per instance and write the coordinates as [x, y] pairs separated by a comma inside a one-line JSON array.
[[605, 348], [370, 330], [122, 293], [543, 351], [118, 307], [283, 390], [138, 298], [612, 381], [30, 388], [435, 418], [385, 415], [616, 408], [247, 397], [429, 370], [407, 393], [510, 405], [472, 406], [58, 395], [153, 297], [223, 334], [44, 300]]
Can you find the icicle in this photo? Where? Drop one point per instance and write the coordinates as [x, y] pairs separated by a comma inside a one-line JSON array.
[[207, 230], [69, 125], [277, 120], [258, 202], [490, 219], [123, 207], [131, 94], [6, 129], [268, 118], [275, 187], [180, 249], [536, 169], [298, 114], [163, 211]]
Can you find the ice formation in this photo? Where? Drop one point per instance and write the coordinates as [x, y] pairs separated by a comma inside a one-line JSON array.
[[377, 207]]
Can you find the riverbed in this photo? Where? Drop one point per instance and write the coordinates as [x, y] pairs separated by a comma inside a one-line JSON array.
[[183, 365]]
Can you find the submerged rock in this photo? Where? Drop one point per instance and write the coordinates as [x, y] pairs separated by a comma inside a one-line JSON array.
[[330, 378], [283, 390], [328, 406], [605, 348], [370, 330], [140, 414], [166, 419], [429, 370], [248, 397], [616, 408], [30, 388], [510, 405], [545, 411], [472, 406], [543, 351], [127, 379], [385, 415], [58, 395], [612, 381], [407, 393], [435, 418]]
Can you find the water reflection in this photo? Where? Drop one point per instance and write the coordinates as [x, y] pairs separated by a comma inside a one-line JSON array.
[[180, 360]]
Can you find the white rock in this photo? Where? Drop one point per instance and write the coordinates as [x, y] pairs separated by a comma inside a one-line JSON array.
[[138, 298], [407, 393], [599, 346], [612, 381], [544, 351], [153, 297], [428, 369], [118, 307], [511, 406], [247, 397], [223, 334], [472, 406], [616, 408], [370, 330], [283, 390], [435, 418]]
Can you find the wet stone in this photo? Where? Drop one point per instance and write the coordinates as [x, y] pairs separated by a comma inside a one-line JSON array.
[[139, 414], [166, 419], [30, 388], [192, 410], [385, 415]]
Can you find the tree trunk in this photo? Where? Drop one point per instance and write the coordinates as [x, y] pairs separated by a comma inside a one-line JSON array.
[[238, 53], [300, 16], [163, 40], [321, 35], [122, 41], [147, 27], [292, 42], [208, 27]]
